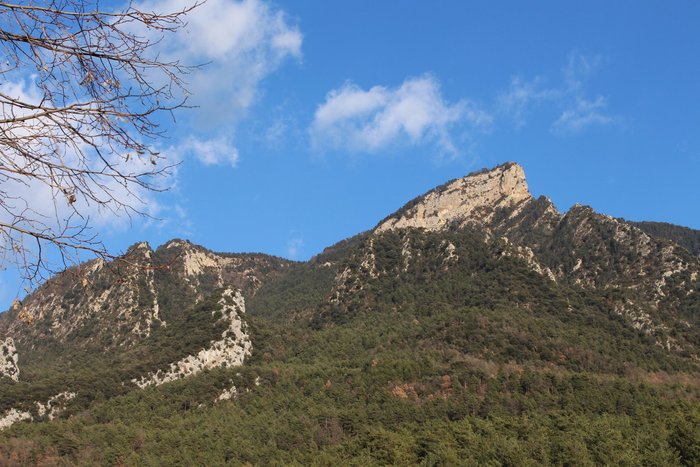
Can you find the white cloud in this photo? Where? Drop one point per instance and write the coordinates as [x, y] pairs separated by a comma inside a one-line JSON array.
[[240, 43], [217, 151], [580, 111], [522, 95], [582, 114], [371, 120], [578, 68], [576, 109], [282, 131], [349, 102], [275, 133]]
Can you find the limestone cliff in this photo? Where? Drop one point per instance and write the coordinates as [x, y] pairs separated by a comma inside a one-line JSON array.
[[119, 303], [229, 351], [581, 247], [8, 360], [474, 198]]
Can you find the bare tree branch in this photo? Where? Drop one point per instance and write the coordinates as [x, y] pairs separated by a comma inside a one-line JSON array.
[[82, 92]]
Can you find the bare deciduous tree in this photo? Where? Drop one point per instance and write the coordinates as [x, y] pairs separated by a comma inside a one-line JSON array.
[[80, 94]]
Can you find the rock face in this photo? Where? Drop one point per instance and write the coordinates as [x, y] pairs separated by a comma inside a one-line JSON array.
[[120, 295], [8, 360], [13, 416], [657, 276], [229, 351], [580, 246], [105, 305], [179, 308], [49, 409], [474, 198]]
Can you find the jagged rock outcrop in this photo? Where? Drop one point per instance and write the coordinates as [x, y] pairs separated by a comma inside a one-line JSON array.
[[106, 304], [49, 409], [595, 251], [203, 270], [229, 351], [683, 236], [475, 198], [120, 295], [582, 246], [8, 360], [590, 249]]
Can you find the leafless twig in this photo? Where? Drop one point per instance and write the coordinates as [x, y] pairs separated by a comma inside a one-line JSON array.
[[82, 125]]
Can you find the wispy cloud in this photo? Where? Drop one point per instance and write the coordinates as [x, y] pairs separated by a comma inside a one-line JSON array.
[[584, 113], [580, 110], [577, 109], [282, 130], [275, 133], [522, 95], [175, 220], [415, 113], [216, 151], [579, 68], [240, 43]]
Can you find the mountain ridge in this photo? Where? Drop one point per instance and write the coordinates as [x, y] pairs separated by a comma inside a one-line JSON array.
[[497, 200], [594, 250], [476, 270]]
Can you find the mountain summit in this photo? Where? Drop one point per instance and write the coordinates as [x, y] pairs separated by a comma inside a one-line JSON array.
[[474, 198]]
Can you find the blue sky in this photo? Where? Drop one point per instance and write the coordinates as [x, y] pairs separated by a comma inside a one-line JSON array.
[[318, 119]]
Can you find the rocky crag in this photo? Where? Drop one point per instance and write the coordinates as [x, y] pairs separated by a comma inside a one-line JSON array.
[[8, 360], [649, 278], [162, 314]]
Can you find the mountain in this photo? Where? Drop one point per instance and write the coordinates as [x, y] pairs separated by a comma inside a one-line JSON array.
[[683, 236], [477, 324], [100, 305], [650, 278]]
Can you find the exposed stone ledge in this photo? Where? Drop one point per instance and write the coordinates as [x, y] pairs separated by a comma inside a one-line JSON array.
[[474, 197], [8, 359], [229, 351], [51, 408]]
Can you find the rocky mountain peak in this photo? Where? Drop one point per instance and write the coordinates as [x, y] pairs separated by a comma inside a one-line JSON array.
[[474, 198]]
